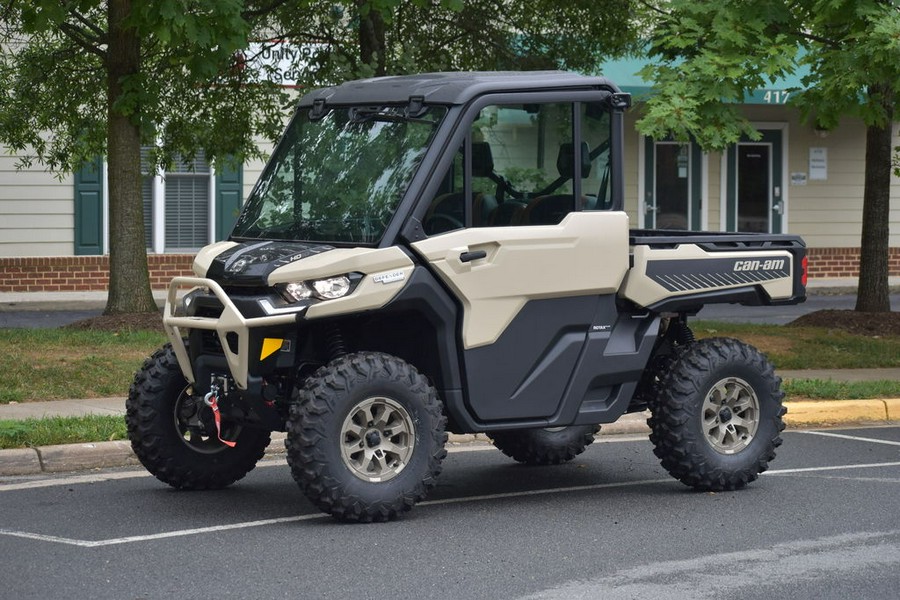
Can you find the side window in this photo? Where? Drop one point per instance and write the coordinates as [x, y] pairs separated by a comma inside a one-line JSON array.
[[522, 164], [447, 211], [595, 135]]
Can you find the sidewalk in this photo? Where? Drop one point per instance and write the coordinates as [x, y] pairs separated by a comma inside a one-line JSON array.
[[72, 457]]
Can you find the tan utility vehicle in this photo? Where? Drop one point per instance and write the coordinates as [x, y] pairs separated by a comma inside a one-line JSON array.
[[449, 252]]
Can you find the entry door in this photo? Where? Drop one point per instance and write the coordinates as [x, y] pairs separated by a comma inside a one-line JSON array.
[[755, 186], [672, 171]]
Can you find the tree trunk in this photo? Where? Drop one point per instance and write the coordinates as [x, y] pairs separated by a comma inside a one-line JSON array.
[[873, 294], [129, 279], [371, 37]]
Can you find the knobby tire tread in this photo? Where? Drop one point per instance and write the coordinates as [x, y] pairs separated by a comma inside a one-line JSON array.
[[542, 447], [676, 431], [322, 476], [154, 438]]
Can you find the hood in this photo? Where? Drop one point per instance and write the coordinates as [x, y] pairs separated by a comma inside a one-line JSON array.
[[251, 263]]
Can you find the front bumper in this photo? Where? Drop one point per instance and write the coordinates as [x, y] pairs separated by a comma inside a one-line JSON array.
[[230, 323]]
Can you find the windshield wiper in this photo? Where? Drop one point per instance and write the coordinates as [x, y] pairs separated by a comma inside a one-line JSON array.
[[364, 115]]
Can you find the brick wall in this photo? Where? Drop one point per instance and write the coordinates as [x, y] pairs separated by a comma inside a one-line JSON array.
[[81, 273], [844, 262]]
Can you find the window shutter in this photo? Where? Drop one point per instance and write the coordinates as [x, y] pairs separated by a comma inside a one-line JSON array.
[[89, 208], [229, 189]]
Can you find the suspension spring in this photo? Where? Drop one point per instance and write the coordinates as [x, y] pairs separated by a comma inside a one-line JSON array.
[[683, 334], [335, 344]]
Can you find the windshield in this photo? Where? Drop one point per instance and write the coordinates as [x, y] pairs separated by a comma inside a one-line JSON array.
[[338, 178]]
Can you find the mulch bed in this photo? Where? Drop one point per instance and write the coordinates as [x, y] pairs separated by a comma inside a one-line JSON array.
[[125, 322], [851, 321]]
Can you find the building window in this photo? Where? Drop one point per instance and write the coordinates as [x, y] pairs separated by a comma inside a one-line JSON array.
[[177, 205], [187, 205]]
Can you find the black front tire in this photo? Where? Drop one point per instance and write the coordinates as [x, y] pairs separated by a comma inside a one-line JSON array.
[[544, 446], [366, 437], [716, 419], [163, 428]]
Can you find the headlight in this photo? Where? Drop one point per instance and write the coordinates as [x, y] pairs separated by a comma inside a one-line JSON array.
[[295, 292], [328, 288], [331, 288]]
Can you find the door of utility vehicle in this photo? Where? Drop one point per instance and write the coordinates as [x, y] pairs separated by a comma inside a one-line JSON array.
[[518, 228]]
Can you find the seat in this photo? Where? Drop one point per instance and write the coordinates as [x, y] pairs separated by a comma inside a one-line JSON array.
[[508, 213], [447, 211], [552, 208], [548, 210]]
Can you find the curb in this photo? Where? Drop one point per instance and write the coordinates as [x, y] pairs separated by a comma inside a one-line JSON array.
[[100, 455]]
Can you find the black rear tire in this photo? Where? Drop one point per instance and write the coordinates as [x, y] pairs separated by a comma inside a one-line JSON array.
[[716, 419], [544, 446], [366, 437], [163, 428]]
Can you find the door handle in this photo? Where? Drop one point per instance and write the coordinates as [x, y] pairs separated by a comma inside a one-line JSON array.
[[470, 256]]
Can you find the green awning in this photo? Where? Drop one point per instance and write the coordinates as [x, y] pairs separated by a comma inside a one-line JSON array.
[[623, 72]]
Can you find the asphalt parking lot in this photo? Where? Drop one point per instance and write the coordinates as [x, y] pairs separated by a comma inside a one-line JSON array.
[[822, 523]]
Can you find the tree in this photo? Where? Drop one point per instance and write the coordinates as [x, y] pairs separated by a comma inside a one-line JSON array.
[[91, 77], [105, 77], [365, 38], [710, 56]]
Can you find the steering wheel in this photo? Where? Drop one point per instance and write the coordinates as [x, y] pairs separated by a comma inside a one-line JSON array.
[[441, 223]]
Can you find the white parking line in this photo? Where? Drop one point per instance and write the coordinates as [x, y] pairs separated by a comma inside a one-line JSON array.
[[831, 468], [851, 437], [574, 488], [156, 536], [444, 501], [100, 477]]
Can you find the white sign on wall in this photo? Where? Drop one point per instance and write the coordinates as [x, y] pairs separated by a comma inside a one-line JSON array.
[[279, 61], [818, 164]]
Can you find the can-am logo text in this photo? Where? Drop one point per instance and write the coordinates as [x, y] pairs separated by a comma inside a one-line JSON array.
[[774, 264]]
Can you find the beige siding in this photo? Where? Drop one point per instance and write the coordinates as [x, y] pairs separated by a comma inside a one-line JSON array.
[[631, 153], [827, 213], [36, 211], [713, 208], [253, 168]]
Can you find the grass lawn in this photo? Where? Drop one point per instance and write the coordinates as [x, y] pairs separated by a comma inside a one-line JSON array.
[[53, 364], [809, 347], [61, 430]]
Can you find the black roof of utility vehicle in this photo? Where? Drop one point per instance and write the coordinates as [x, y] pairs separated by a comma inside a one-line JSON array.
[[452, 88]]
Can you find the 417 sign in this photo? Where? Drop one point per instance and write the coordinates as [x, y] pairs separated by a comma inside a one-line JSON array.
[[776, 96]]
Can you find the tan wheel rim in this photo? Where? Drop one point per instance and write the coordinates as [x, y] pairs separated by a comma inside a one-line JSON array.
[[730, 415], [377, 439]]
